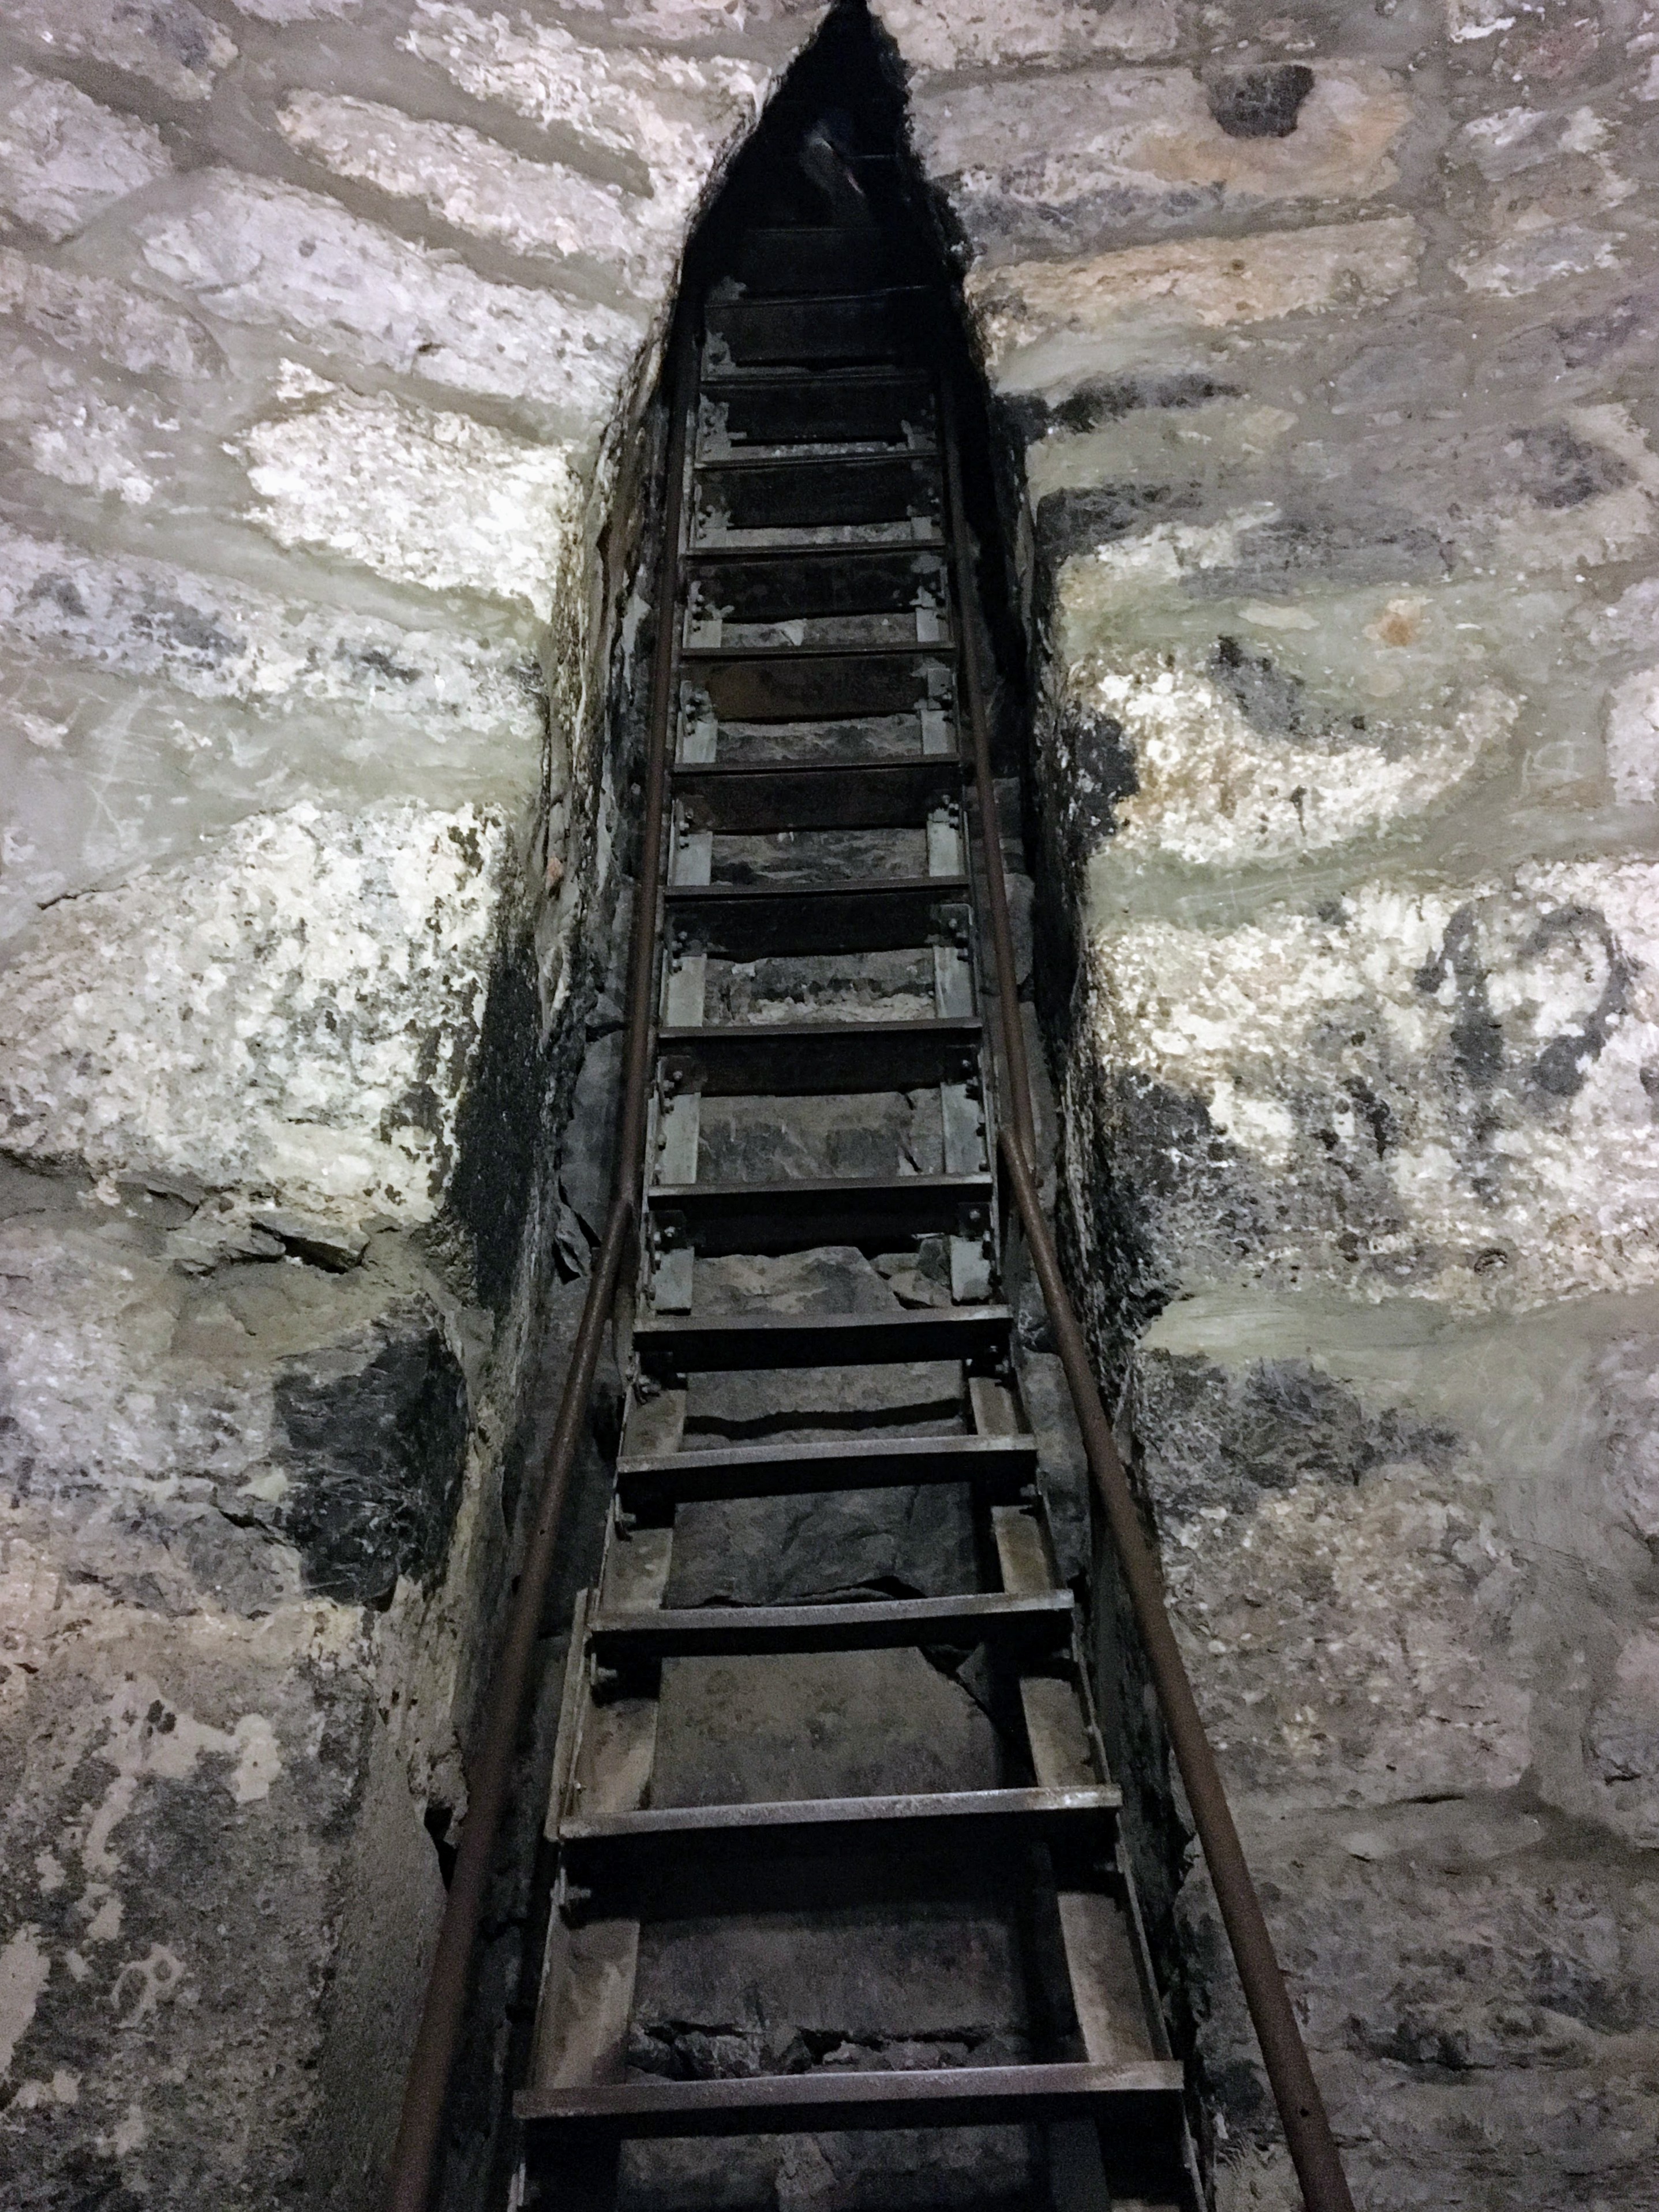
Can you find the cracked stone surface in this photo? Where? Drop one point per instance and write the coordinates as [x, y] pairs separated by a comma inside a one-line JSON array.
[[1321, 346], [1321, 349], [328, 328]]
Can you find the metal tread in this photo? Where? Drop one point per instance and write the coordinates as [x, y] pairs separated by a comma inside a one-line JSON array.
[[804, 457], [908, 649], [822, 1059], [816, 795], [1003, 1465], [696, 556], [799, 686], [743, 1341], [877, 1213], [749, 922], [1138, 2091], [825, 1823], [620, 1636]]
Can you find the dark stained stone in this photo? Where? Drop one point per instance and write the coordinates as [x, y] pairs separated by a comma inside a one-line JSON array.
[[1261, 103], [375, 1433]]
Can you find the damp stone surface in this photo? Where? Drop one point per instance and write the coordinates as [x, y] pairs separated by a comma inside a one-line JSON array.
[[328, 329], [1320, 342]]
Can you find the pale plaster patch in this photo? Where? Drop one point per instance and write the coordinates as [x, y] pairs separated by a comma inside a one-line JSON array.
[[535, 208], [170, 43], [146, 1737], [422, 497], [1216, 792], [1147, 138], [101, 317], [292, 1015], [255, 251], [63, 159], [25, 1968], [1209, 282]]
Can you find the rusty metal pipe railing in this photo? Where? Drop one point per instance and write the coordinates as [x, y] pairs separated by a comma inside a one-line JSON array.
[[415, 2155], [1300, 2107], [1018, 1098]]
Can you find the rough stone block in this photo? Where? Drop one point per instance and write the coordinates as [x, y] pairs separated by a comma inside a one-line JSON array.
[[63, 159], [1434, 1088], [1040, 320], [172, 44], [290, 1018], [253, 252], [425, 498], [538, 208], [1034, 162]]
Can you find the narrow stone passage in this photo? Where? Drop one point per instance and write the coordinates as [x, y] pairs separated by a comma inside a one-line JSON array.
[[839, 1914]]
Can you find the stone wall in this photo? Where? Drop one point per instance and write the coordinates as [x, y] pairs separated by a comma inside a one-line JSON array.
[[1322, 344], [1324, 340], [328, 329]]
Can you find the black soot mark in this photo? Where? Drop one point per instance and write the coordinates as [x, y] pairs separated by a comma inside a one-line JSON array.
[[1261, 103], [1561, 1068]]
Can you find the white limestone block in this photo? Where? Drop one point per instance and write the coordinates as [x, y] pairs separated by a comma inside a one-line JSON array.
[[673, 114], [1032, 315], [423, 497], [534, 207], [254, 251], [1133, 144], [63, 159], [961, 34], [170, 43], [98, 316], [290, 1016], [1462, 1076]]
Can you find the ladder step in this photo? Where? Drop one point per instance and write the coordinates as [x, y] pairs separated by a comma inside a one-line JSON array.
[[789, 493], [790, 1060], [801, 408], [787, 261], [829, 795], [824, 1824], [649, 1488], [842, 579], [1142, 2096], [876, 1215], [757, 921], [673, 1346], [620, 1640], [897, 326], [797, 687]]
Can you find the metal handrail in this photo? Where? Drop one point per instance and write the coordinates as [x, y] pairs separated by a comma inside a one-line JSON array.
[[1300, 2107], [415, 2155]]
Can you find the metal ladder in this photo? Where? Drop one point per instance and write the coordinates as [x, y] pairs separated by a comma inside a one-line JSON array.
[[816, 683]]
